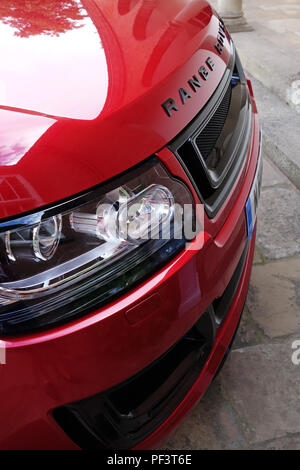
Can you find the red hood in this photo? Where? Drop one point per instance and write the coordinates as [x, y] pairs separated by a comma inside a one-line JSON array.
[[52, 59], [111, 71], [70, 62]]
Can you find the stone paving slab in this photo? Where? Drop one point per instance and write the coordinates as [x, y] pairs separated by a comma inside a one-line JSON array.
[[211, 425], [286, 443], [257, 410], [274, 298], [258, 259], [249, 333], [281, 17], [280, 124], [279, 222], [264, 389], [271, 175]]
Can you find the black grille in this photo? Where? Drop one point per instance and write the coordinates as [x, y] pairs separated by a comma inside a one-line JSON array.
[[210, 134], [212, 148]]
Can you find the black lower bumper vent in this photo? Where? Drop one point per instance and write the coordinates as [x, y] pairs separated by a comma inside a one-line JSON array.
[[126, 414]]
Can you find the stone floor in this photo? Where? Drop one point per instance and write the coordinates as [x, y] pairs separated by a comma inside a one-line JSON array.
[[280, 16]]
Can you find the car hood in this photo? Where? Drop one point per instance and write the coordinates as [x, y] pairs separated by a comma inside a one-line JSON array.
[[82, 86], [78, 59]]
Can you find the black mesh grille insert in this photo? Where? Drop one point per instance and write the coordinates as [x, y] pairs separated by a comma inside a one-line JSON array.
[[210, 134]]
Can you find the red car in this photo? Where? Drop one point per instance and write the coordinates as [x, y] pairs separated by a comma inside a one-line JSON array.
[[112, 114]]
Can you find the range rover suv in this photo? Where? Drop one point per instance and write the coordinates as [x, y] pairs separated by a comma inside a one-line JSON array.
[[114, 117]]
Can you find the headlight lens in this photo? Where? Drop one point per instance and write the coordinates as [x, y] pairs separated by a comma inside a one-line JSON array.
[[45, 238], [62, 262]]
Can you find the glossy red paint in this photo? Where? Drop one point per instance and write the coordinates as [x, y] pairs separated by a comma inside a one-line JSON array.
[[47, 59], [141, 75], [149, 53]]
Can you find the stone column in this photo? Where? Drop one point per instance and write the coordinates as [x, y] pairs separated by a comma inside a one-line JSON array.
[[232, 13]]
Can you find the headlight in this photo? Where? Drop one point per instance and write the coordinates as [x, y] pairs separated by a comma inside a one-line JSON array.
[[64, 261]]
